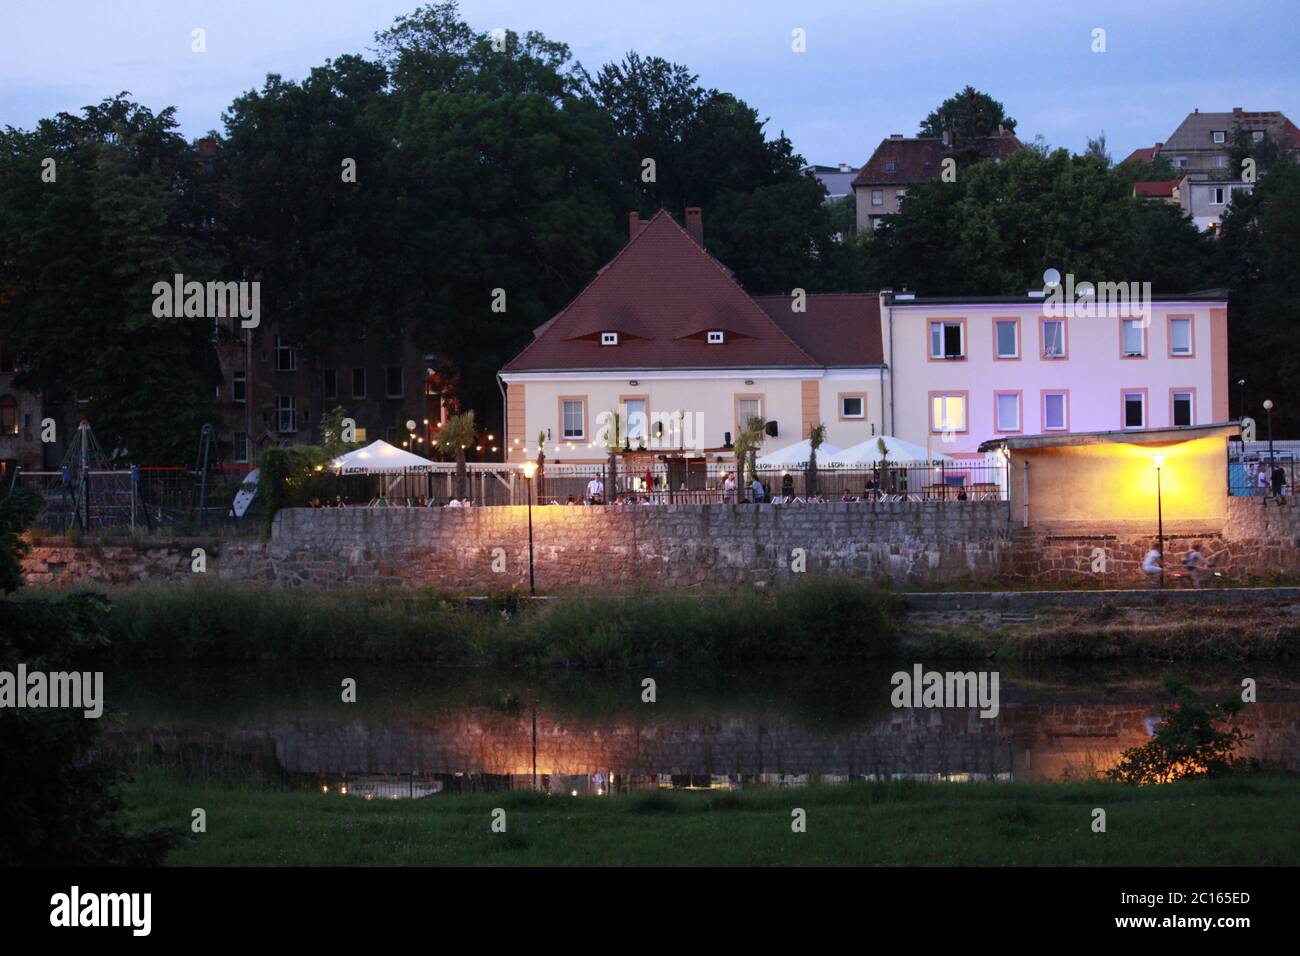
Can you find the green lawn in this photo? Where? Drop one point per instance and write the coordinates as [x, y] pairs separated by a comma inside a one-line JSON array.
[[1225, 822]]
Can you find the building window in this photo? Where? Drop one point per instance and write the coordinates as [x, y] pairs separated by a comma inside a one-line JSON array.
[[947, 340], [1180, 162], [239, 388], [853, 406], [1006, 338], [715, 338], [891, 166], [1183, 410], [358, 383], [1006, 406], [1054, 342], [1220, 135], [1055, 412], [1135, 409], [634, 419], [241, 446], [609, 338], [8, 415], [286, 356], [1180, 336], [286, 413], [393, 381], [8, 361], [329, 384], [947, 412], [1216, 195], [1221, 162], [899, 194], [877, 197], [1134, 339], [574, 425], [747, 408], [1257, 136]]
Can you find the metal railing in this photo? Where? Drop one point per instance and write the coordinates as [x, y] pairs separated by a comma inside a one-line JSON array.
[[1253, 473]]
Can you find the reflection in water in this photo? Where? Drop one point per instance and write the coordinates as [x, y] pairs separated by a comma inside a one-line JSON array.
[[421, 731]]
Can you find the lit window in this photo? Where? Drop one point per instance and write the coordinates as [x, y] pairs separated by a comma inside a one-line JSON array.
[[946, 340], [609, 338], [947, 413], [715, 338]]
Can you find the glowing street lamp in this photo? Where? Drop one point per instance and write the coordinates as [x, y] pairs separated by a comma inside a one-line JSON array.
[[1160, 517], [530, 469]]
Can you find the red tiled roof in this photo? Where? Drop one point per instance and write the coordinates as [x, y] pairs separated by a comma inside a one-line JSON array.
[[1144, 154], [1159, 189], [662, 291], [920, 159], [838, 328]]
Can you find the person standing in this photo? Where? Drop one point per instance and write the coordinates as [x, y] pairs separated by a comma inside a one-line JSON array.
[[595, 491], [729, 489], [758, 491], [1278, 480]]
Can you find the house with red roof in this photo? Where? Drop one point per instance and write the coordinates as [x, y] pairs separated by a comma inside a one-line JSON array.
[[664, 351]]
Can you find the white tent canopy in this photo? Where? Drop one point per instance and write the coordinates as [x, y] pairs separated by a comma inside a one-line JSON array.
[[379, 458], [796, 455], [896, 450]]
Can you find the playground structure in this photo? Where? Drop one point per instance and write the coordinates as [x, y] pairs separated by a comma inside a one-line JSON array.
[[92, 491]]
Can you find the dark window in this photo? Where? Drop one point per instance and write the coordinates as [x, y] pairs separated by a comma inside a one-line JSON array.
[[239, 388], [7, 360], [329, 383], [8, 415], [286, 356], [1133, 410], [393, 381], [1182, 408], [358, 383]]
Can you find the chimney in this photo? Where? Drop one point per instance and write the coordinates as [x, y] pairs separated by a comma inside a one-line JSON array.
[[633, 225], [1236, 111], [947, 137], [694, 224], [895, 135]]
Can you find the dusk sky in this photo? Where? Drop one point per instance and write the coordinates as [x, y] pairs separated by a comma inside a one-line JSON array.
[[871, 68]]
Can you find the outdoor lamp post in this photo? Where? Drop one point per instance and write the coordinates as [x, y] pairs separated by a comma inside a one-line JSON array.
[[1160, 518], [1268, 409], [530, 469]]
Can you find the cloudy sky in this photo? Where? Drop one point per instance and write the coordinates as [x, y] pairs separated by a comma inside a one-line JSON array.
[[871, 68]]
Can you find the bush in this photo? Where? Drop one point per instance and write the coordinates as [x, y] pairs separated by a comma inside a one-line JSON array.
[[1193, 739]]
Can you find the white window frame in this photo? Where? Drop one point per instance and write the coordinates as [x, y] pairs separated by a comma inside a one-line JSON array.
[[998, 424], [1186, 322], [1015, 338], [580, 433], [286, 405], [1064, 346], [282, 349], [939, 427], [1220, 136], [942, 325], [1216, 196], [1257, 136], [609, 338], [1191, 406], [716, 337], [1125, 325], [1143, 424], [862, 406], [877, 197], [240, 448], [1065, 412]]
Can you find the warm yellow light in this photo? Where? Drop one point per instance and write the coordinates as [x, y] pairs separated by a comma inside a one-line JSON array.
[[1159, 460], [529, 468]]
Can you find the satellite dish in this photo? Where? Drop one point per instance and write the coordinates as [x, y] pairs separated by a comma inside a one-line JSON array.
[[1051, 278]]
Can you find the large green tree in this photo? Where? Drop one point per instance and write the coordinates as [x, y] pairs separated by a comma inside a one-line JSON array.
[[94, 210], [967, 113]]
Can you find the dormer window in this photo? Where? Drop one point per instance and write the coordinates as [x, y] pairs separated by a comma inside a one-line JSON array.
[[716, 338], [609, 338], [891, 166], [1220, 136]]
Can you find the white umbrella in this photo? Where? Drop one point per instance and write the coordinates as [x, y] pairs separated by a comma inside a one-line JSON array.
[[896, 450], [796, 455], [379, 458]]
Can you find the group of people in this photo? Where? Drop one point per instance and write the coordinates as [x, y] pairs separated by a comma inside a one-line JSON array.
[[1261, 479], [1196, 567]]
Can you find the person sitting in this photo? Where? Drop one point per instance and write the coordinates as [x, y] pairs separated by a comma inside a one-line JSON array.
[[847, 496], [787, 486], [1151, 567], [961, 494], [570, 501], [453, 503], [1198, 569]]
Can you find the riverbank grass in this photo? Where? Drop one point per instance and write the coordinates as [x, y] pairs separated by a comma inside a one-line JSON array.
[[1228, 822]]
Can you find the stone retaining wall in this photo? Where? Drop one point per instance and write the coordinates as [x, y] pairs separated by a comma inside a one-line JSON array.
[[931, 544]]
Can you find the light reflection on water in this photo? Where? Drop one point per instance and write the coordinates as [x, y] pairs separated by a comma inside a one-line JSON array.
[[420, 731]]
